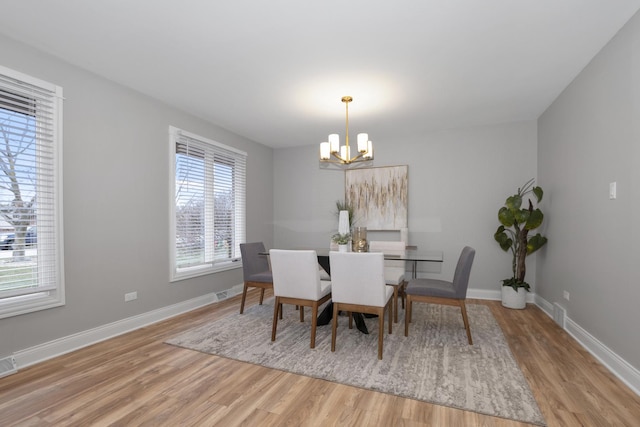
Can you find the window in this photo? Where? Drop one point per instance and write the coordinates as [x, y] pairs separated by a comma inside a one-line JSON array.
[[31, 267], [208, 206]]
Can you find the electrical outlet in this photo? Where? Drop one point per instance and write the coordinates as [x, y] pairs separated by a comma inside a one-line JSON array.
[[566, 295], [130, 296]]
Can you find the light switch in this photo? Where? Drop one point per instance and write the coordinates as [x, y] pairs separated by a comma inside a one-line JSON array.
[[612, 190]]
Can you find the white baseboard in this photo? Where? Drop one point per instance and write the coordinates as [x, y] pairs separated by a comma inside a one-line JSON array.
[[616, 364], [494, 295], [483, 294], [51, 349]]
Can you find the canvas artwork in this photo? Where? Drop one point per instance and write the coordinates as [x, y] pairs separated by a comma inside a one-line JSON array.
[[378, 196]]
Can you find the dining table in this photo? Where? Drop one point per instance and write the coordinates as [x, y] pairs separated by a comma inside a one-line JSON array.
[[411, 255]]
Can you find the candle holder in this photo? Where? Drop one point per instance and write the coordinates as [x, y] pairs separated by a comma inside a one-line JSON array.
[[360, 239]]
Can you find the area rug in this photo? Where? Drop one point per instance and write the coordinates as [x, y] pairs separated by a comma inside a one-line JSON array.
[[434, 363]]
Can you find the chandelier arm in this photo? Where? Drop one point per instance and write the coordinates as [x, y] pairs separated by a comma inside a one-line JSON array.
[[338, 162], [343, 160]]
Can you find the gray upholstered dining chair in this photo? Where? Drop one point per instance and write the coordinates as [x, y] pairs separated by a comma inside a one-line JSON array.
[[255, 270], [358, 285], [393, 270], [296, 280], [435, 291]]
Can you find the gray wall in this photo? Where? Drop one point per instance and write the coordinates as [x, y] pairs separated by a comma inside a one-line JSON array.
[[116, 203], [458, 179], [589, 137]]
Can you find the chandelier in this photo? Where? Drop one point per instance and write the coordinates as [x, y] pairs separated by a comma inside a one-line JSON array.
[[333, 152]]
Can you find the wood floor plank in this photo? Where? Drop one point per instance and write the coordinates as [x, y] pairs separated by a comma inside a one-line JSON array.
[[137, 380]]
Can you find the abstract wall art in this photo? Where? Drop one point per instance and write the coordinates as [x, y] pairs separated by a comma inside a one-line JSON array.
[[378, 196]]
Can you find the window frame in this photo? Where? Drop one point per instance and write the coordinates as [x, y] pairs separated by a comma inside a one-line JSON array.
[[208, 267], [53, 297]]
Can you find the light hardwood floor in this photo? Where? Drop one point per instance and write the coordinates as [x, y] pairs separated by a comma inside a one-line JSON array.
[[136, 379]]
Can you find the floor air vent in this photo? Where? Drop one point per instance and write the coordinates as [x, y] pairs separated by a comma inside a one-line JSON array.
[[559, 314], [8, 366]]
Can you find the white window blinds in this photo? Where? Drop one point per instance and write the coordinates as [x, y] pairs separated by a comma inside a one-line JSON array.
[[31, 275], [209, 204]]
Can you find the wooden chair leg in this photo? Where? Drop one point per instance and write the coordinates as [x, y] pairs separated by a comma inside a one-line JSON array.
[[314, 323], [280, 311], [244, 298], [334, 327], [407, 316], [302, 313], [390, 313], [261, 295], [350, 320], [395, 303], [277, 307], [381, 331], [465, 319]]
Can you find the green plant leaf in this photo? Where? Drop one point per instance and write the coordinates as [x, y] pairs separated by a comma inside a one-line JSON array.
[[341, 239], [514, 202], [505, 216], [538, 192], [535, 243], [521, 216], [535, 219], [503, 239]]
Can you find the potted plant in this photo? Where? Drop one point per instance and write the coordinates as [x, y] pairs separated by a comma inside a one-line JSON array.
[[342, 240], [513, 235]]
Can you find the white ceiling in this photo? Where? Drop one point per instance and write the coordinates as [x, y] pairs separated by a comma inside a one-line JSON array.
[[275, 71]]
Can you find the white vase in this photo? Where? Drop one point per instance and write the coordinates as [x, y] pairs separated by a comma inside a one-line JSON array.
[[513, 299], [343, 248], [343, 222]]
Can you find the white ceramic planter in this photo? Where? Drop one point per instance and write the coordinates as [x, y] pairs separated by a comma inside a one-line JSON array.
[[513, 299], [343, 248]]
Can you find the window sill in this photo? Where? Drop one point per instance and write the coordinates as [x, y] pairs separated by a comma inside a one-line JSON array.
[[30, 303], [191, 272]]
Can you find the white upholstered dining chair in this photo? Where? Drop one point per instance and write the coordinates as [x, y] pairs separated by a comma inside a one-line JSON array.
[[358, 285], [296, 280]]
